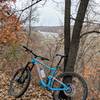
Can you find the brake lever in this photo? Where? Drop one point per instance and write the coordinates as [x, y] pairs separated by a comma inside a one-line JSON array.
[[44, 59]]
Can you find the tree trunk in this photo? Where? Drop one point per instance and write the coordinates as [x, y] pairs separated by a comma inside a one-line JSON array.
[[74, 45], [67, 34], [67, 30], [71, 48]]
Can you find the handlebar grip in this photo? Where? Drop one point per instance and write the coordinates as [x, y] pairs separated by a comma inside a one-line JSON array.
[[30, 51], [27, 49]]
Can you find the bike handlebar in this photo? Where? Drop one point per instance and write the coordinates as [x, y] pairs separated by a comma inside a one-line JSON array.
[[36, 56]]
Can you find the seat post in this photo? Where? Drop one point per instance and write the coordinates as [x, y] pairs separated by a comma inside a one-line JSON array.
[[61, 57], [59, 61]]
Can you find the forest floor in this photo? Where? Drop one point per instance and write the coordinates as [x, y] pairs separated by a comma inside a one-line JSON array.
[[34, 92]]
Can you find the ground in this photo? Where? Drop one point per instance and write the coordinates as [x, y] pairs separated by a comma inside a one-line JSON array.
[[34, 92]]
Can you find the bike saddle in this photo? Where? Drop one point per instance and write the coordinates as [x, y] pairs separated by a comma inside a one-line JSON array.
[[61, 55]]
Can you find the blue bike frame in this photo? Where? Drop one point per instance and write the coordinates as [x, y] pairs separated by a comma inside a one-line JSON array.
[[51, 78]]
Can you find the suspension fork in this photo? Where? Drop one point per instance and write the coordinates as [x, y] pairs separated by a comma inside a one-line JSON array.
[[26, 67]]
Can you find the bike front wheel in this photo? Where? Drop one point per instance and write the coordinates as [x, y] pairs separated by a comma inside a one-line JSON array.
[[19, 82], [78, 87]]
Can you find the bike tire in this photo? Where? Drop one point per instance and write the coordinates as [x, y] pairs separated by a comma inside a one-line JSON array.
[[22, 91], [72, 74]]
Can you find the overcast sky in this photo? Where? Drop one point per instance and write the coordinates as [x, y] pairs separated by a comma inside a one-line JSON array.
[[49, 14]]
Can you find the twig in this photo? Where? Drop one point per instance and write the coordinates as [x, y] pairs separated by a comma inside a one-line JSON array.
[[28, 6]]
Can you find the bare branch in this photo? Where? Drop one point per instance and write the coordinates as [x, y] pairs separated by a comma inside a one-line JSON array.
[[89, 32], [22, 10], [29, 6], [95, 21]]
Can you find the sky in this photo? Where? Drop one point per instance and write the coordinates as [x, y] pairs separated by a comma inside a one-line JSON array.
[[49, 14]]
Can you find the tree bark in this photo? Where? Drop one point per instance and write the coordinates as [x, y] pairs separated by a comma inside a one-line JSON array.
[[67, 30], [66, 35], [74, 45], [71, 47]]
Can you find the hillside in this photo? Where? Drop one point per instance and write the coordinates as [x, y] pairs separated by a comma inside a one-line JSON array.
[[53, 29]]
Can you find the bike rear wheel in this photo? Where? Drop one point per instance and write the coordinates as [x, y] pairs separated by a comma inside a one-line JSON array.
[[19, 82], [78, 86]]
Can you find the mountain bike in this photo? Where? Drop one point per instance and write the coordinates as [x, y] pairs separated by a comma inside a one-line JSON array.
[[53, 82]]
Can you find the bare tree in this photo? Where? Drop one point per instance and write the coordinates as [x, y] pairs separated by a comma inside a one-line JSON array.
[[72, 49]]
